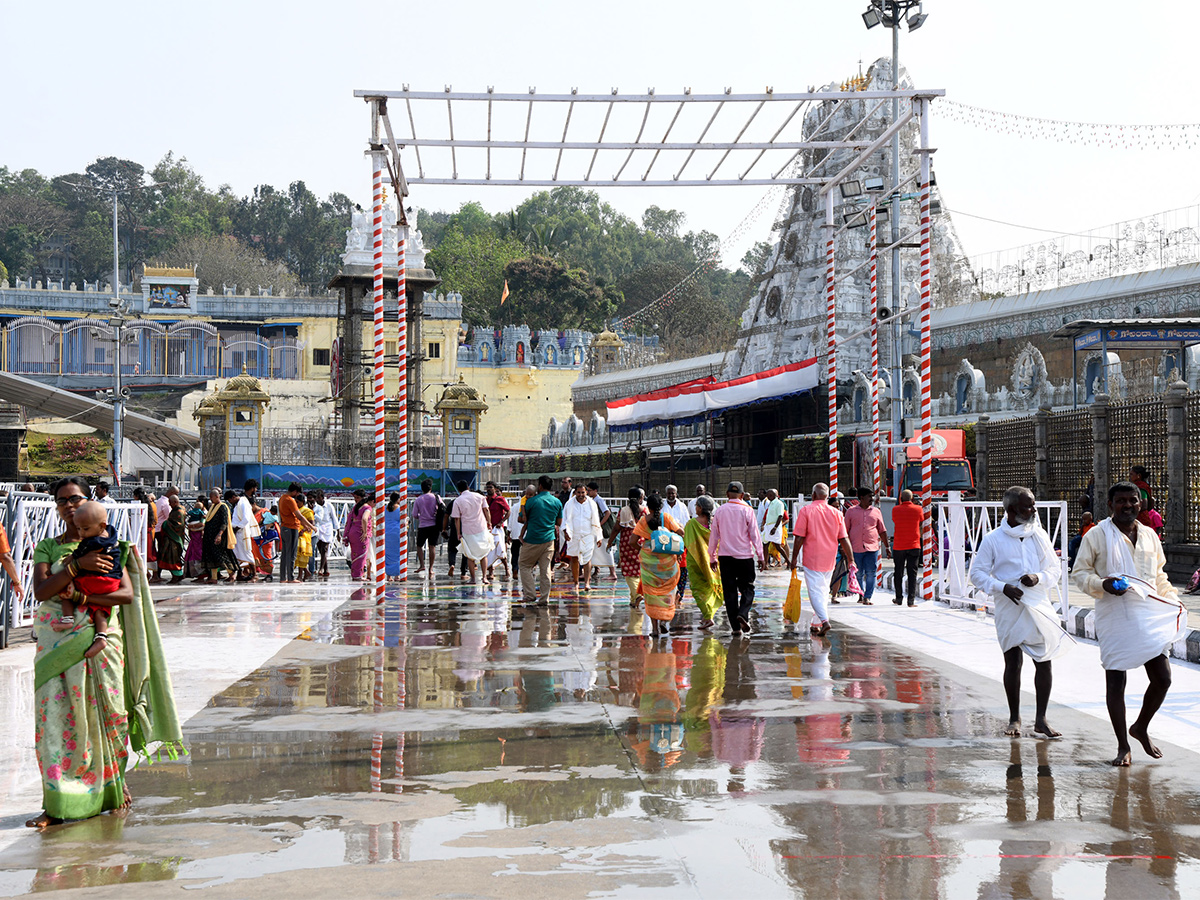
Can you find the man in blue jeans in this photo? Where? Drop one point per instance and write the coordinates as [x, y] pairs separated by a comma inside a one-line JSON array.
[[864, 525]]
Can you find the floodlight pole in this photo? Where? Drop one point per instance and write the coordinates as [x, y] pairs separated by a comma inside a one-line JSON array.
[[897, 405], [118, 398]]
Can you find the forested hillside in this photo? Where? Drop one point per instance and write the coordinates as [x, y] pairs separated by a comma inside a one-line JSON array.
[[570, 260]]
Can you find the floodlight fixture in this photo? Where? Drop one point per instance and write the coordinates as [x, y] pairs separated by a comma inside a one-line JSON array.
[[881, 215], [916, 19], [935, 207], [851, 189], [855, 220], [871, 17], [873, 184]]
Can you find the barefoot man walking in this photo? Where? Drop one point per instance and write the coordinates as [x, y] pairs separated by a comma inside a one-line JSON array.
[[1016, 564], [1138, 613]]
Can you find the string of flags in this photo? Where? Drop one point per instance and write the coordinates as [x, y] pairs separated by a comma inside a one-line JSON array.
[[702, 268], [1180, 136]]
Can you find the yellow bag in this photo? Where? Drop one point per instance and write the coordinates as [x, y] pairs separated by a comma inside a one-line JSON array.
[[791, 606]]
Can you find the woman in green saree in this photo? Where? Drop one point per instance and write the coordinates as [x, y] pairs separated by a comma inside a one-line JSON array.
[[705, 582], [172, 543], [88, 710]]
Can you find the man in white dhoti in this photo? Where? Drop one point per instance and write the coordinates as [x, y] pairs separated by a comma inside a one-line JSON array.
[[245, 529], [474, 529], [581, 526], [608, 527], [1016, 564], [1138, 613], [772, 531]]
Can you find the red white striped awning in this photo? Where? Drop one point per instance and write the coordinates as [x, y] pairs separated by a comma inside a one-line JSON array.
[[707, 397]]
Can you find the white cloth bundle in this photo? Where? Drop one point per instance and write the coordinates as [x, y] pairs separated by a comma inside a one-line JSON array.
[[1006, 554], [1141, 624]]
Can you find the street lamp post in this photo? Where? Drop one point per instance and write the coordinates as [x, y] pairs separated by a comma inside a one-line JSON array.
[[891, 13], [117, 321]]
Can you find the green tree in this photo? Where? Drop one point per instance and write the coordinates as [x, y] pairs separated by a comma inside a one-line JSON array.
[[221, 260], [474, 266], [690, 323], [29, 216], [544, 291]]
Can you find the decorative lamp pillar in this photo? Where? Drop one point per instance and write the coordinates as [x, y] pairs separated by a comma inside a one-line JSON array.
[[606, 352], [244, 402], [210, 415], [460, 407]]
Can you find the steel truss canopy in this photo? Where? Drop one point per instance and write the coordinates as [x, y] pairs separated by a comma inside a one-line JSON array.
[[635, 140], [44, 400]]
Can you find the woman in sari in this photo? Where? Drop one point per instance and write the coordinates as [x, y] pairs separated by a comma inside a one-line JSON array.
[[217, 540], [356, 534], [195, 546], [393, 521], [630, 546], [705, 581], [171, 543], [659, 571], [87, 709]]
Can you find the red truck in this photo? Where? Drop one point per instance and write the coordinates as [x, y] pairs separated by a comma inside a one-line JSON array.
[[951, 468]]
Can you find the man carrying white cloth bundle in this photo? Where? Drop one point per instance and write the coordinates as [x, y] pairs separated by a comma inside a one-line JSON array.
[[1016, 564], [1138, 613]]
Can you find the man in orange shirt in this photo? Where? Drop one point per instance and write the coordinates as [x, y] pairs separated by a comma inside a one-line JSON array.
[[907, 518], [10, 567], [291, 523]]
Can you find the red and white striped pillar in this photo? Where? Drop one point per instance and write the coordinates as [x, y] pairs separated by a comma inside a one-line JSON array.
[[831, 344], [874, 356], [380, 479], [927, 540], [402, 392]]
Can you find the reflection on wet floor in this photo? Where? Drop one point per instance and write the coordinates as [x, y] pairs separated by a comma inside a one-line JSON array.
[[466, 736]]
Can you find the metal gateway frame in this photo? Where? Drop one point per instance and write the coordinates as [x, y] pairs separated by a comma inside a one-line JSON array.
[[639, 140]]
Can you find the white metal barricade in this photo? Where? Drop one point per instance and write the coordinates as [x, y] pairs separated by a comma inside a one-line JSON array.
[[37, 519], [961, 527]]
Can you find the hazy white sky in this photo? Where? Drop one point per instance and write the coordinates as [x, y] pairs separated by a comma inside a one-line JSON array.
[[261, 92]]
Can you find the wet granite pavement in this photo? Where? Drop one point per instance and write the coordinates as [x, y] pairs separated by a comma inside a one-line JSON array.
[[451, 743]]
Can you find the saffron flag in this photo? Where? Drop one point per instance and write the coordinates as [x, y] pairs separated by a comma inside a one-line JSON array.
[[504, 296]]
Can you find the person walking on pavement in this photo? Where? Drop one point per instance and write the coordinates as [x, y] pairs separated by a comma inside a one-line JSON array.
[[820, 530], [291, 523], [735, 542], [701, 491], [425, 511], [514, 535], [1016, 565], [868, 535], [773, 528], [473, 528], [541, 519], [1138, 613], [907, 518], [497, 510]]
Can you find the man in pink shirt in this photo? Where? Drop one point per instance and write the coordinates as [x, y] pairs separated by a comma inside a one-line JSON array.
[[820, 530], [735, 542], [867, 533]]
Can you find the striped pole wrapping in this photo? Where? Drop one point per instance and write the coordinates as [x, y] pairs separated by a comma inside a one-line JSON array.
[[878, 484], [831, 348], [402, 392], [380, 479], [926, 401]]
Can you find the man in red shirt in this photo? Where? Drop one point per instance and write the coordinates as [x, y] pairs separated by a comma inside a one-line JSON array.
[[291, 523], [498, 510], [906, 544]]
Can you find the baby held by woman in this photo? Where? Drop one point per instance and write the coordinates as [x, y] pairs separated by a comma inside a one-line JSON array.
[[91, 521]]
